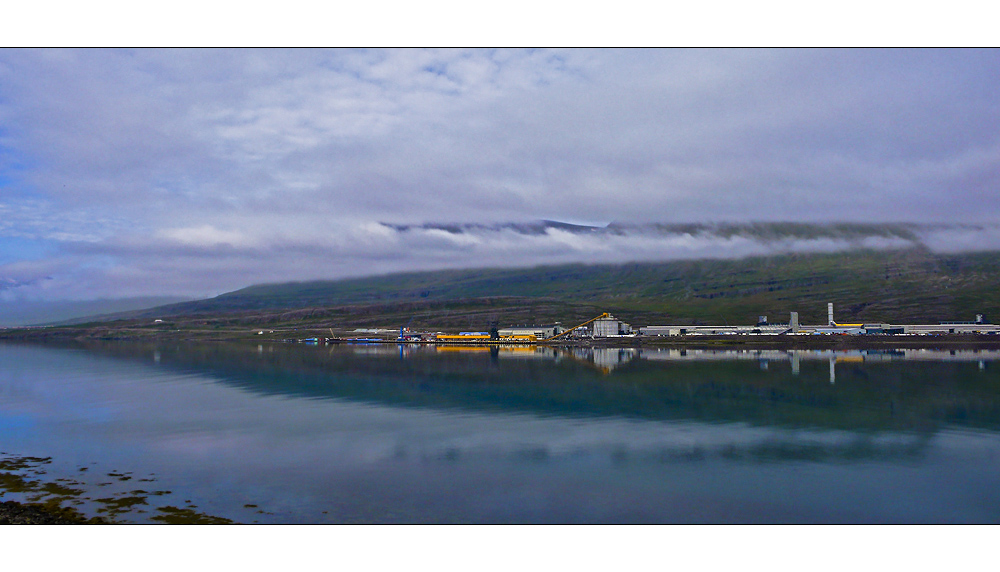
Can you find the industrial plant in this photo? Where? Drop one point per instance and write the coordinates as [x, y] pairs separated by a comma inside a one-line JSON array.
[[832, 327], [606, 326]]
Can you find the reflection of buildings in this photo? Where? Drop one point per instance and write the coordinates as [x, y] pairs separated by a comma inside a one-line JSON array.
[[610, 358], [376, 349], [606, 359], [795, 357], [502, 352], [525, 352], [553, 382], [869, 355]]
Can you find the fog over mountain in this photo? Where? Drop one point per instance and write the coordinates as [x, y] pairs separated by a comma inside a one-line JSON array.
[[386, 248]]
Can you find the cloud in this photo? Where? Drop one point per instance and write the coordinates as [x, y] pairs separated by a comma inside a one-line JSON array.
[[188, 172], [205, 236], [27, 275]]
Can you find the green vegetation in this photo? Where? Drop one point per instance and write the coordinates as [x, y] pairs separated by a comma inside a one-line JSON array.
[[912, 285]]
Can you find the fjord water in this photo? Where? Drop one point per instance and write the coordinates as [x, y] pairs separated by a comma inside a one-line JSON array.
[[393, 433]]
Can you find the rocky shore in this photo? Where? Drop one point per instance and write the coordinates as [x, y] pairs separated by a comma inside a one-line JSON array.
[[16, 513]]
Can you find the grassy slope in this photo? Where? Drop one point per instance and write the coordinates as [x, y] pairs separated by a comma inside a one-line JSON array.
[[901, 286]]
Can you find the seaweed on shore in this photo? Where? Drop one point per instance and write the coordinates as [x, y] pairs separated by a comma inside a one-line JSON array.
[[174, 515], [12, 512], [44, 501]]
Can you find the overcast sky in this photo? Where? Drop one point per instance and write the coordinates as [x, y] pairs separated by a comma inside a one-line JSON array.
[[191, 173]]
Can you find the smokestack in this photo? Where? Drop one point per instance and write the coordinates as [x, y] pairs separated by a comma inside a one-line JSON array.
[[794, 322], [829, 313]]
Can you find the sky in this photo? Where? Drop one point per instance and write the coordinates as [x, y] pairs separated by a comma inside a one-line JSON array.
[[189, 173]]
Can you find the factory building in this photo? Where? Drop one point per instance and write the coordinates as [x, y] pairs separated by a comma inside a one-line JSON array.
[[950, 328], [979, 326], [712, 330], [610, 326], [761, 328], [540, 332], [663, 330]]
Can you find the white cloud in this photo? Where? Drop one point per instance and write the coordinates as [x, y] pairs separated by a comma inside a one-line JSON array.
[[206, 236]]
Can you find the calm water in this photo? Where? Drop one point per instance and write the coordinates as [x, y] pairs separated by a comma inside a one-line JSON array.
[[389, 433]]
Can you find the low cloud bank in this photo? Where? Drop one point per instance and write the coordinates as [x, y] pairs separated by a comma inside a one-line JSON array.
[[549, 242]]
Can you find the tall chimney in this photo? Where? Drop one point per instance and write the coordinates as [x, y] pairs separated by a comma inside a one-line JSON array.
[[794, 322], [829, 313]]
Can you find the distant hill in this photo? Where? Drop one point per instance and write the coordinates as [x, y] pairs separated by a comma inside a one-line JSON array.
[[908, 285], [34, 313]]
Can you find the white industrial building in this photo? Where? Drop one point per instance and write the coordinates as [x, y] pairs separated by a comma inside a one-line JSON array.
[[610, 326], [951, 328], [712, 330]]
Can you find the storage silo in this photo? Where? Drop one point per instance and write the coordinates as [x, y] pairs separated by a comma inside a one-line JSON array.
[[605, 327]]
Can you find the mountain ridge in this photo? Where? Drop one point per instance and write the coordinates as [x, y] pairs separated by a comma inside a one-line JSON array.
[[908, 285]]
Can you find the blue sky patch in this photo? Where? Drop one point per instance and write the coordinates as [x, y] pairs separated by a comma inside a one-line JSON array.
[[15, 248]]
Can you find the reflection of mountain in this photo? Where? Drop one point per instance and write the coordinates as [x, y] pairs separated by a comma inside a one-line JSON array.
[[876, 396], [911, 447]]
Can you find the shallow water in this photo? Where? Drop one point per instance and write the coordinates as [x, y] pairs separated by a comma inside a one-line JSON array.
[[388, 433]]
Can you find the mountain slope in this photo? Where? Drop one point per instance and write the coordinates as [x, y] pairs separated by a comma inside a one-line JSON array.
[[911, 285]]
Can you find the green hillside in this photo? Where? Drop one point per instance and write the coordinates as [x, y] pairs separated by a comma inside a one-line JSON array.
[[913, 285]]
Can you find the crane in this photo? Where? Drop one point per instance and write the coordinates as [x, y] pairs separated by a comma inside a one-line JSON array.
[[564, 332], [404, 329]]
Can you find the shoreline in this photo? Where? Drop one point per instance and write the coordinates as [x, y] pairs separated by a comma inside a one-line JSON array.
[[298, 336], [13, 512], [37, 495], [784, 342]]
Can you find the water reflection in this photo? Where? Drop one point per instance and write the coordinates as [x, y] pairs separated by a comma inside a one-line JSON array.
[[607, 359], [416, 433], [898, 390]]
